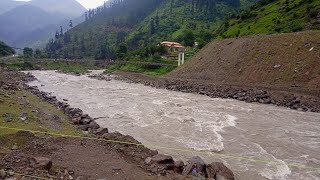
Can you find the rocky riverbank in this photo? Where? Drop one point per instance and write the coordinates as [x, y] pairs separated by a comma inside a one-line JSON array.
[[293, 99], [40, 156]]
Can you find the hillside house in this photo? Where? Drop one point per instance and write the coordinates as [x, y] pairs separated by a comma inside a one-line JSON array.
[[175, 47]]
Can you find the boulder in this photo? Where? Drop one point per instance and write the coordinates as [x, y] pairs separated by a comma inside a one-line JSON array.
[[23, 116], [93, 125], [101, 131], [217, 169], [41, 162], [162, 159], [86, 120], [178, 166], [195, 162], [76, 120], [3, 174], [148, 160]]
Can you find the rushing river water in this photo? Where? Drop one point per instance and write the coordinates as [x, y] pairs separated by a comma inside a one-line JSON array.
[[256, 141]]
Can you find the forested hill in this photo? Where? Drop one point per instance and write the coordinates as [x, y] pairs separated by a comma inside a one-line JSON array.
[[5, 50], [137, 26], [274, 16]]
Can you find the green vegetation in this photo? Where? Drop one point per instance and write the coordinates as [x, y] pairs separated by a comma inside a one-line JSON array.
[[135, 27], [63, 66], [40, 114], [70, 67], [146, 69], [273, 16], [5, 50]]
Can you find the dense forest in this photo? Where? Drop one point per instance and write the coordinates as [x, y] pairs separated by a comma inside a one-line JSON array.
[[134, 28], [123, 27], [5, 50]]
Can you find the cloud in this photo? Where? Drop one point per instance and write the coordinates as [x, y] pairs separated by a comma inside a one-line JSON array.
[[91, 3]]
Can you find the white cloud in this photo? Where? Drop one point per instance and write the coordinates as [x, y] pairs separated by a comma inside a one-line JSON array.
[[91, 3]]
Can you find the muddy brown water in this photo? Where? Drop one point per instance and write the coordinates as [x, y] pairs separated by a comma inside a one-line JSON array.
[[256, 141]]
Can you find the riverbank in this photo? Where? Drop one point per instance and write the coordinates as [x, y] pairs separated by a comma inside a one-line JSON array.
[[50, 156], [294, 98]]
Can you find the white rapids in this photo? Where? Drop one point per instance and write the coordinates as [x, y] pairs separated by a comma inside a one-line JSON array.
[[256, 141]]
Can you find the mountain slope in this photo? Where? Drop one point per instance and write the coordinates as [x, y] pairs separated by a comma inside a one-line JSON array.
[[24, 19], [69, 8], [175, 18], [139, 25], [34, 22], [5, 50], [274, 16], [103, 31], [7, 5]]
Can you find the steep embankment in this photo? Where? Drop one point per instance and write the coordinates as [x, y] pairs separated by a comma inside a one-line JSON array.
[[276, 61]]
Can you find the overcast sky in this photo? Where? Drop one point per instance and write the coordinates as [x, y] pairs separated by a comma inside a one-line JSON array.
[[86, 3], [91, 3]]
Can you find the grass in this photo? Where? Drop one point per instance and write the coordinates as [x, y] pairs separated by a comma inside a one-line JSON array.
[[69, 67], [155, 71], [39, 118], [279, 16], [63, 66], [39, 113]]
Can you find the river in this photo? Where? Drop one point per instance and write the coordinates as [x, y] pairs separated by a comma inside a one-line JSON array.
[[256, 141]]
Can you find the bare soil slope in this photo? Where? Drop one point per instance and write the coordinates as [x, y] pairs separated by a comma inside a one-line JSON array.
[[273, 61]]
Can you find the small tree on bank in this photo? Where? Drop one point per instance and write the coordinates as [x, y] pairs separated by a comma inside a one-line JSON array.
[[28, 52]]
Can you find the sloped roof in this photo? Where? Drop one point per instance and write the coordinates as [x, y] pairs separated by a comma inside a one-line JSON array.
[[172, 44]]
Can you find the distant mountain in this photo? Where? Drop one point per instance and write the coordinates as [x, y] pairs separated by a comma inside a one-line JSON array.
[[7, 5], [69, 8], [33, 23], [24, 19]]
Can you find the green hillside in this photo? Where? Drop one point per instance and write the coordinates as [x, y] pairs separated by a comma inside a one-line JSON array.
[[135, 27], [5, 50], [183, 21], [274, 16]]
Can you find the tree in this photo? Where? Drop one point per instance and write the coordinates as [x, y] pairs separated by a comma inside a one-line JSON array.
[[187, 37], [122, 51], [61, 31], [86, 16], [152, 27], [57, 35], [38, 53], [27, 52], [70, 24]]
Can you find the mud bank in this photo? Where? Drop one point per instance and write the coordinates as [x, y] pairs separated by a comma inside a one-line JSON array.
[[292, 98]]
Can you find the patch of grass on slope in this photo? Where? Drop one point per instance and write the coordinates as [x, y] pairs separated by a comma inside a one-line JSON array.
[[41, 116], [278, 16]]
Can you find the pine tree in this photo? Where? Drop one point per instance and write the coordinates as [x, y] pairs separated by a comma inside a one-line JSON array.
[[61, 31], [70, 24]]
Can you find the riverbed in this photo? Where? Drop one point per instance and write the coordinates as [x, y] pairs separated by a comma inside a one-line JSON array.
[[256, 141]]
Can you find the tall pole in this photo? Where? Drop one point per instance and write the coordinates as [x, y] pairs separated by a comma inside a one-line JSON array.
[[183, 57], [179, 57]]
